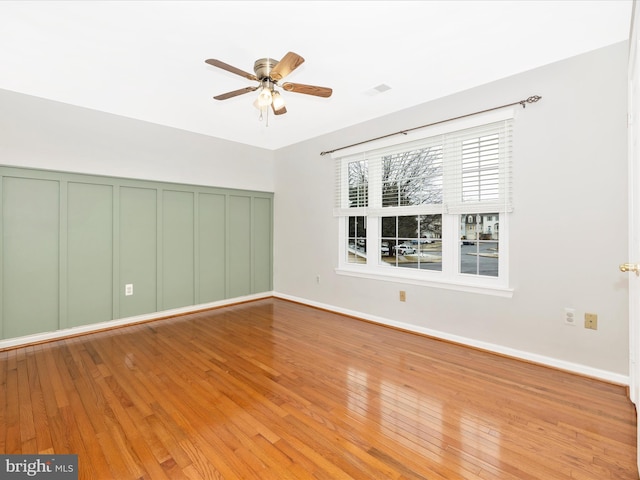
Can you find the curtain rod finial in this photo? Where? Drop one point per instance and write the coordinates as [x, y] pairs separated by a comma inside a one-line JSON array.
[[531, 99]]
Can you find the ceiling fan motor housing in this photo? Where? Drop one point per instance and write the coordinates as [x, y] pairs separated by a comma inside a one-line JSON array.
[[263, 67]]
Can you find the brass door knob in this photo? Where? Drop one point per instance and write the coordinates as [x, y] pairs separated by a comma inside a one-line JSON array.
[[630, 267]]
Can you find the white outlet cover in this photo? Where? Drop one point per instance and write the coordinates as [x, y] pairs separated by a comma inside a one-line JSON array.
[[570, 316]]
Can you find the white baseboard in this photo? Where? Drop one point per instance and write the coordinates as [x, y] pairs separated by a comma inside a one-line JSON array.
[[490, 347], [96, 327]]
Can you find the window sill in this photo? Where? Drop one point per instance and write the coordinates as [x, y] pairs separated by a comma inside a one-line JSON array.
[[402, 277]]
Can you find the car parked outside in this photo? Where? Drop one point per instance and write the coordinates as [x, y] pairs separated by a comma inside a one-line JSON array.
[[404, 249]]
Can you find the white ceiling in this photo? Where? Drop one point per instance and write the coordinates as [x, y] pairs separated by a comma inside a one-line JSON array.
[[145, 59]]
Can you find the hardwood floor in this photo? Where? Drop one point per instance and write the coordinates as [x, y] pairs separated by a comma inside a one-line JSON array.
[[276, 390]]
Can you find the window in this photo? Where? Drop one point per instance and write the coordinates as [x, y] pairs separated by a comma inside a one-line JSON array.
[[358, 184], [357, 240], [412, 241], [479, 254], [429, 211]]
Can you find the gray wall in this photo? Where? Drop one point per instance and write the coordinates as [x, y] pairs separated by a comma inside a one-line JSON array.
[[40, 133], [70, 243], [568, 231]]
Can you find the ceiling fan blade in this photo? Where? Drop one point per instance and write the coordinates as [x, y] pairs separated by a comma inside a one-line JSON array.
[[282, 110], [307, 89], [229, 68], [288, 64], [235, 93]]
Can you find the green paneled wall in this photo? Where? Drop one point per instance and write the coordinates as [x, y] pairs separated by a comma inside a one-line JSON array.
[[212, 242], [30, 256], [239, 257], [89, 253], [262, 248], [138, 250], [177, 249], [69, 244]]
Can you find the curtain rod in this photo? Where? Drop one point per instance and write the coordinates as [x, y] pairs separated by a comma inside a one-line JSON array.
[[532, 99]]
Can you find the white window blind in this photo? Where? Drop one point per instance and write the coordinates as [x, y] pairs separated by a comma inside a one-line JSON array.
[[464, 171]]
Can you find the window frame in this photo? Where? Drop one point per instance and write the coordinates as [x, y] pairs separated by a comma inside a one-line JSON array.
[[450, 276]]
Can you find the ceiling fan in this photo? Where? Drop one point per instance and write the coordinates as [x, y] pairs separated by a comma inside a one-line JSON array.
[[269, 72]]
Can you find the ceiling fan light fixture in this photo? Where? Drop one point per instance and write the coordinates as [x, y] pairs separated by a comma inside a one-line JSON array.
[[278, 101], [265, 98]]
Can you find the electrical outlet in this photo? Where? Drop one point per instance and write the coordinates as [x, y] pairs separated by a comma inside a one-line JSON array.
[[128, 289], [569, 316], [591, 321], [403, 296]]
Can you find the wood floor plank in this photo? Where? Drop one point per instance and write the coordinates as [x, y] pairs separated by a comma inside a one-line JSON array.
[[12, 413], [272, 389], [37, 405]]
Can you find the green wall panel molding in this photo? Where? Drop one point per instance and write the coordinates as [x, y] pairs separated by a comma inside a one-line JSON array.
[[178, 249], [71, 243], [212, 247], [89, 253], [138, 247], [262, 244], [31, 256], [239, 251]]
